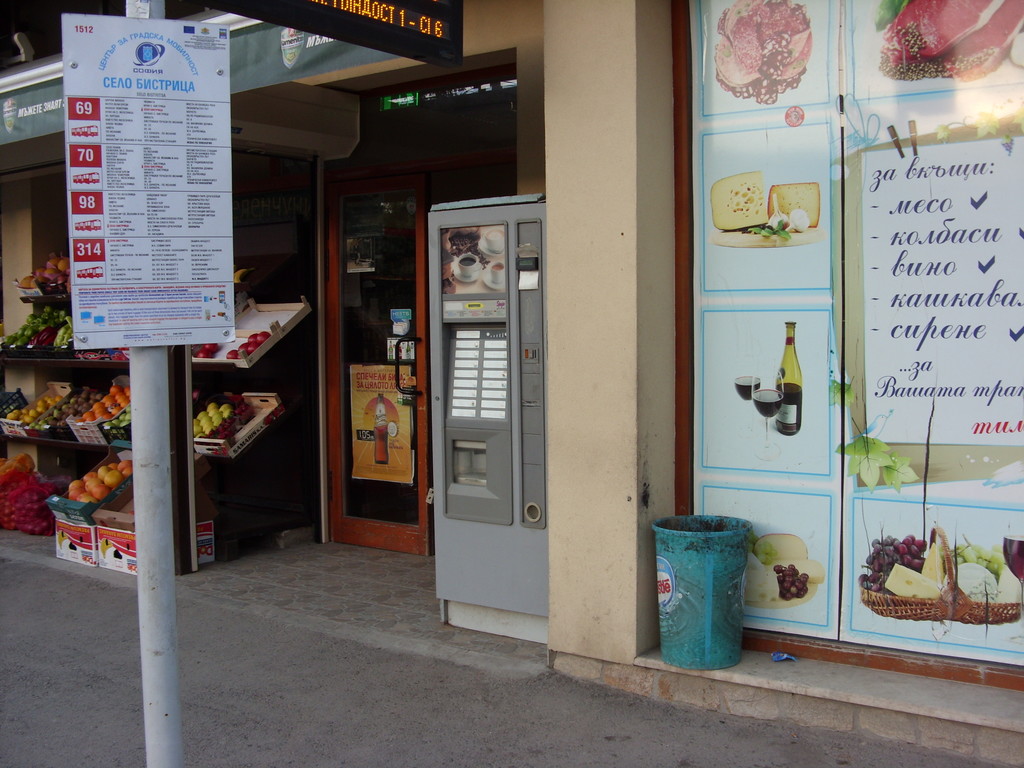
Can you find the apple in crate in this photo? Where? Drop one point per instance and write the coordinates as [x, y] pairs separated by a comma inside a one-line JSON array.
[[205, 351], [254, 342]]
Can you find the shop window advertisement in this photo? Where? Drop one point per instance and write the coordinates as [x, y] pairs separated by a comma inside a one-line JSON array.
[[933, 294], [382, 419], [766, 132], [858, 282]]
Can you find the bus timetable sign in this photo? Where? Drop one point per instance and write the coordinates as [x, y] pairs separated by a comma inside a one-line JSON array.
[[426, 30]]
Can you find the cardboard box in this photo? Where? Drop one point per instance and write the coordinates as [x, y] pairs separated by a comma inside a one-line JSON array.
[[55, 431], [15, 428], [35, 290], [115, 527], [81, 512], [75, 542], [116, 548], [267, 408], [204, 542], [12, 401], [92, 431]]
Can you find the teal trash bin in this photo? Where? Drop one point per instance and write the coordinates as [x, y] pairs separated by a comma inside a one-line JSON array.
[[701, 560]]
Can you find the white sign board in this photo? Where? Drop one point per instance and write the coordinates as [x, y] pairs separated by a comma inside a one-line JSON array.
[[148, 135], [942, 285]]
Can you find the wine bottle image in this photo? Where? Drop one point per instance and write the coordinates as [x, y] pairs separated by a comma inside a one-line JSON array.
[[790, 381], [380, 432]]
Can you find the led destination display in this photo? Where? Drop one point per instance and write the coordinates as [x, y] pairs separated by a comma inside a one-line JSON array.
[[426, 30]]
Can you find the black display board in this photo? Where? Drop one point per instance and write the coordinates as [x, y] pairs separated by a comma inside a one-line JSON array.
[[426, 30]]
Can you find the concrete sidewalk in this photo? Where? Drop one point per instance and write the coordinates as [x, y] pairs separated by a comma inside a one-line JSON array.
[[324, 655]]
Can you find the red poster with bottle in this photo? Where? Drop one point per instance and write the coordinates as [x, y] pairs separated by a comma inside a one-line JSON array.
[[382, 425]]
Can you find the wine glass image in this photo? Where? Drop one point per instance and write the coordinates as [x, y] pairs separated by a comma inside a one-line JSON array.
[[768, 402], [1013, 551], [745, 386]]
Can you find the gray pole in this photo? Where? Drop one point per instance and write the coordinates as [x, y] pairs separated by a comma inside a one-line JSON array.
[[154, 532]]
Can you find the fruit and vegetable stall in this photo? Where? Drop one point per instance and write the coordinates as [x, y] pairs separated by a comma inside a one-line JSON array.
[[86, 408]]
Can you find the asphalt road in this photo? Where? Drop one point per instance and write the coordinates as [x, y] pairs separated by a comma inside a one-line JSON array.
[[269, 692]]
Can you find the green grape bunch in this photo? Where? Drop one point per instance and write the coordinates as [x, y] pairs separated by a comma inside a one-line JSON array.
[[988, 557]]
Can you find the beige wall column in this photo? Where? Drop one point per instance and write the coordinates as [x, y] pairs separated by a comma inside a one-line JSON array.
[[608, 107], [530, 107], [34, 225]]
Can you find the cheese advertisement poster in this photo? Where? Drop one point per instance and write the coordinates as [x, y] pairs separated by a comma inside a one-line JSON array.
[[859, 314], [766, 198]]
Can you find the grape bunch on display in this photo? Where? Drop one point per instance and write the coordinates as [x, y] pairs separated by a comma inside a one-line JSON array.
[[792, 583], [887, 552]]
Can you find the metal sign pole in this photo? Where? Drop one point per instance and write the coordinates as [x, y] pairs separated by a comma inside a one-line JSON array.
[[133, 87], [154, 530]]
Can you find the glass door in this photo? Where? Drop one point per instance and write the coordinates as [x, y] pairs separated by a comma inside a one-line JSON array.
[[376, 325]]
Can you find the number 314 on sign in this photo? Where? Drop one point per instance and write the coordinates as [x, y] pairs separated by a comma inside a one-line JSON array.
[[90, 249]]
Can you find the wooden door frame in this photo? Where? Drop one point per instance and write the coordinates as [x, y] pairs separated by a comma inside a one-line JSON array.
[[414, 539]]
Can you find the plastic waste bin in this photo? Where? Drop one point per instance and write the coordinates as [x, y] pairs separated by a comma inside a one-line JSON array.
[[701, 561]]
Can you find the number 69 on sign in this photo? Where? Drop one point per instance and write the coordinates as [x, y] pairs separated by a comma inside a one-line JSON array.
[[83, 109]]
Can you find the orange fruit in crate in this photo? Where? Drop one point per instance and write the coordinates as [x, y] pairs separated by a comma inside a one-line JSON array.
[[116, 389], [88, 416], [76, 489], [108, 400], [113, 478], [125, 467], [97, 490]]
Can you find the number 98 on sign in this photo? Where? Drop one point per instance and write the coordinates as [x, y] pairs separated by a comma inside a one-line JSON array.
[[87, 202]]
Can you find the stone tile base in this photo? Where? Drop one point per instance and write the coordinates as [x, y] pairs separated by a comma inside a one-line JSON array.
[[957, 718]]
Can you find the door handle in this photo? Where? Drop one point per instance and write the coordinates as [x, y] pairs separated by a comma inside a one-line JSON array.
[[398, 362]]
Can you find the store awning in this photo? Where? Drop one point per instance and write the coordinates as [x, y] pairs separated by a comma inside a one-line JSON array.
[[261, 54]]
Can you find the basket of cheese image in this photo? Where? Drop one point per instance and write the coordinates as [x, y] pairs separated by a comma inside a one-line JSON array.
[[942, 590], [779, 572], [746, 216]]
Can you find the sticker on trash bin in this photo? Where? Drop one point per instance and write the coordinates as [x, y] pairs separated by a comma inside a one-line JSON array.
[[667, 595]]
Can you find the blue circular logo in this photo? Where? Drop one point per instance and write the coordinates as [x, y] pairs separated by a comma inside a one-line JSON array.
[[148, 54]]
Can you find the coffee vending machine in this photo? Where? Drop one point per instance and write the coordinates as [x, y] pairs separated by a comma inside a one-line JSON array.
[[488, 414]]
